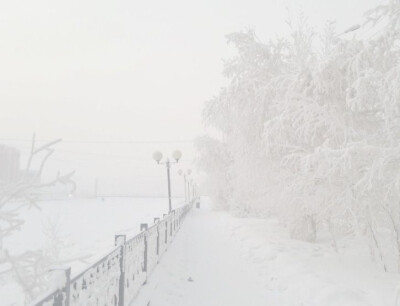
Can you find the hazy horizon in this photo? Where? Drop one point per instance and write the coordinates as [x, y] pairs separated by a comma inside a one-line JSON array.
[[91, 71]]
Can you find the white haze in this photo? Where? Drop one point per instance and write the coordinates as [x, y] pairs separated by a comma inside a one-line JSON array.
[[126, 70]]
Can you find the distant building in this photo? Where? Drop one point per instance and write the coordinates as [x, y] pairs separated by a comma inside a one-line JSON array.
[[9, 164]]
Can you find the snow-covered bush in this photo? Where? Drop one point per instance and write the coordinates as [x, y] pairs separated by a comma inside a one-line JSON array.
[[214, 160], [311, 125], [29, 269]]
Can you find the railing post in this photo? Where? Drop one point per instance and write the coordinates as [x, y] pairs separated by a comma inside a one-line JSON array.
[[166, 229], [156, 220], [120, 240], [59, 299], [170, 226], [67, 286], [144, 226], [174, 221]]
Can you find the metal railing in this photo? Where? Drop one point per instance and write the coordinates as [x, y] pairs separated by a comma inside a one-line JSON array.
[[117, 278]]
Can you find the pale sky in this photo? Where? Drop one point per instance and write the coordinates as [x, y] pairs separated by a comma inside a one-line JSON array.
[[127, 70]]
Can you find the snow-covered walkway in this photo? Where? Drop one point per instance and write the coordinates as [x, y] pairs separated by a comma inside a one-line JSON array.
[[203, 267], [219, 260]]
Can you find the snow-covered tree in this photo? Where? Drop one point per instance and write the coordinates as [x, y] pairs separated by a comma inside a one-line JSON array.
[[311, 127]]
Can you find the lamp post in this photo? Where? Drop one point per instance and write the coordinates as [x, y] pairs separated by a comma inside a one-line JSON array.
[[176, 155], [185, 174], [194, 190], [191, 189]]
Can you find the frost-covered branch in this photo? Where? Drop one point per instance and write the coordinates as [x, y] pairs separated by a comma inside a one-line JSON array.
[[29, 268]]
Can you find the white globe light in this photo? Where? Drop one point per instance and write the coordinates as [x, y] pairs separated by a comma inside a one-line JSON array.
[[157, 156], [177, 155]]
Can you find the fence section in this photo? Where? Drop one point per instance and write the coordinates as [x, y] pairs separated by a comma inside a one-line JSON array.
[[116, 279]]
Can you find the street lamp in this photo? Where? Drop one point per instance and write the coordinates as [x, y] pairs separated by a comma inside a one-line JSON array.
[[176, 155], [194, 191], [188, 184], [191, 187], [185, 174]]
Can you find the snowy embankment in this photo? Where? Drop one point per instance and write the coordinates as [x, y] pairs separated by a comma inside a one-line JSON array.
[[220, 260], [77, 228], [311, 273]]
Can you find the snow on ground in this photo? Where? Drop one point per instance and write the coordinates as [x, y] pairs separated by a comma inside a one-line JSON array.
[[217, 259], [88, 224], [86, 228], [203, 267], [311, 273]]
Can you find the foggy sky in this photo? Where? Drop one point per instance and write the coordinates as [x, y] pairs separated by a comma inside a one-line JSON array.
[[127, 70]]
